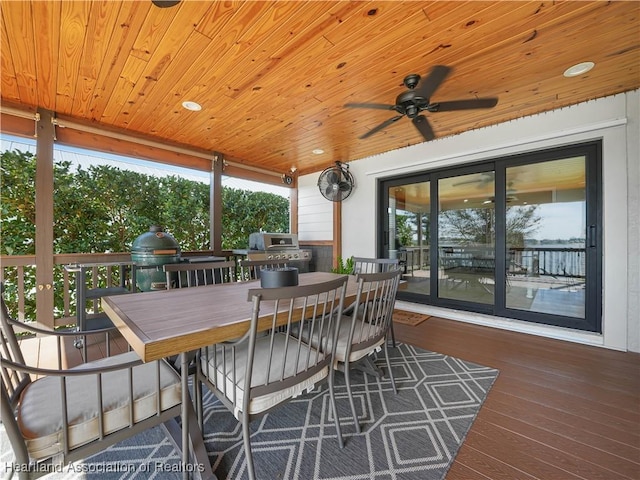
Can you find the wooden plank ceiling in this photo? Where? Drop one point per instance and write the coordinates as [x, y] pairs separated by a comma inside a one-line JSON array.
[[272, 77]]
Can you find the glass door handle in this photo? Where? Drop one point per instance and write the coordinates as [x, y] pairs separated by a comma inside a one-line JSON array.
[[591, 236]]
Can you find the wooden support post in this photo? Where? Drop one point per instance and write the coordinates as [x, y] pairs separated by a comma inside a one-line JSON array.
[[44, 218], [215, 208]]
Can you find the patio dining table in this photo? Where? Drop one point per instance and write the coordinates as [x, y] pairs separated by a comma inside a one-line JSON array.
[[180, 321]]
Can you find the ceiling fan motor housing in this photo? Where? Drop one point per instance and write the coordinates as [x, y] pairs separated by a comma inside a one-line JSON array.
[[410, 104]]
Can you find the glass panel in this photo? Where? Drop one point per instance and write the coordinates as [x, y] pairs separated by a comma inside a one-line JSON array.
[[546, 231], [466, 237], [409, 207]]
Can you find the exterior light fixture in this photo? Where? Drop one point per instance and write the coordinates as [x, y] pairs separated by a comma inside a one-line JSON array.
[[193, 106], [579, 69], [317, 151]]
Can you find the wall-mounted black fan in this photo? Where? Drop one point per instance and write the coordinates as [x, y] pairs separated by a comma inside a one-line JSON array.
[[417, 99], [336, 183]]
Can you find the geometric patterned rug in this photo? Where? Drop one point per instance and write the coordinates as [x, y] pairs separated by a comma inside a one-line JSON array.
[[412, 435]]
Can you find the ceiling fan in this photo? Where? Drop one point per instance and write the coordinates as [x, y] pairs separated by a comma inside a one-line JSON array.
[[482, 179], [417, 99]]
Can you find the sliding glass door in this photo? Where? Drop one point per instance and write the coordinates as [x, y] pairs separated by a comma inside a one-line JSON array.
[[407, 231], [546, 233], [516, 237], [467, 237]]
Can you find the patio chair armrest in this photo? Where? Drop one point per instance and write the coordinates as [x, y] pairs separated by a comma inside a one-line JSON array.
[[59, 333], [74, 371]]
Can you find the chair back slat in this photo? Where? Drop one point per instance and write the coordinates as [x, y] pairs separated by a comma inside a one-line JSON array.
[[250, 269], [374, 265], [181, 275], [374, 306]]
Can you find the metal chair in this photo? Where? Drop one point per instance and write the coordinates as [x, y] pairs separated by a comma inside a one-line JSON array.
[[181, 275], [374, 265], [363, 332], [250, 269], [184, 275], [56, 416], [254, 374]]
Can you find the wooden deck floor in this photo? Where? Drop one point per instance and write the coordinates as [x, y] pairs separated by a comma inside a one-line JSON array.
[[558, 410]]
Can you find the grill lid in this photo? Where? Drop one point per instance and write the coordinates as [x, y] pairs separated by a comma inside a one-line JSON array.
[[273, 241], [156, 241]]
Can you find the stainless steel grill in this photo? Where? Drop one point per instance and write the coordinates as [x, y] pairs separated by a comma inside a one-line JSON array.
[[276, 246]]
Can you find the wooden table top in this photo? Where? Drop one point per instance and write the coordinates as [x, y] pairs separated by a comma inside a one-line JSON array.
[[168, 322]]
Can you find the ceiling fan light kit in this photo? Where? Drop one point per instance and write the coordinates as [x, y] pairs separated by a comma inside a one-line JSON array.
[[417, 99]]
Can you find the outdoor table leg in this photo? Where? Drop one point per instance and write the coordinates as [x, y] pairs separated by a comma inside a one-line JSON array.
[[186, 399], [192, 440]]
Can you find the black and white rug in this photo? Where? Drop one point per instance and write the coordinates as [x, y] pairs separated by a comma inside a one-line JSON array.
[[412, 435]]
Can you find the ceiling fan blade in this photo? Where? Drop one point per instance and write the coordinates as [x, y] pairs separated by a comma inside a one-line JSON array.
[[378, 106], [424, 127], [436, 76], [384, 124], [463, 104]]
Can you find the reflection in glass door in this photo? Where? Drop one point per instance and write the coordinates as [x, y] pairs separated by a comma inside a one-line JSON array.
[[466, 238], [516, 237], [408, 233], [546, 231]]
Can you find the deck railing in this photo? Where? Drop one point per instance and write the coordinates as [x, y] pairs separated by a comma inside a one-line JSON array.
[[566, 262], [552, 261], [18, 274]]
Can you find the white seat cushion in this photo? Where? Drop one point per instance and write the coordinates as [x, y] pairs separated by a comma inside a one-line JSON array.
[[40, 408], [362, 332], [264, 402]]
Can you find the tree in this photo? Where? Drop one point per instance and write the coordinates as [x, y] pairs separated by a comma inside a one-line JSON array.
[[476, 226], [104, 209], [246, 212]]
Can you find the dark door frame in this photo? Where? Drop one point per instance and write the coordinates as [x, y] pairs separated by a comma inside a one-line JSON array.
[[592, 151]]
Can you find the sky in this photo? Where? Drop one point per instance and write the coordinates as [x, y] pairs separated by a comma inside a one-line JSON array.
[[88, 157]]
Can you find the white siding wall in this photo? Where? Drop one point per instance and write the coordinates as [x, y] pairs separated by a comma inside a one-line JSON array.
[[315, 213], [615, 120]]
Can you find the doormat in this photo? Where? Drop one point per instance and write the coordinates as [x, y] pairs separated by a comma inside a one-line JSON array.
[[409, 318]]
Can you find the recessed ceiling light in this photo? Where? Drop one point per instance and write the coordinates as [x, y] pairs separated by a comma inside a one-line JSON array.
[[193, 106], [579, 69], [317, 151]]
